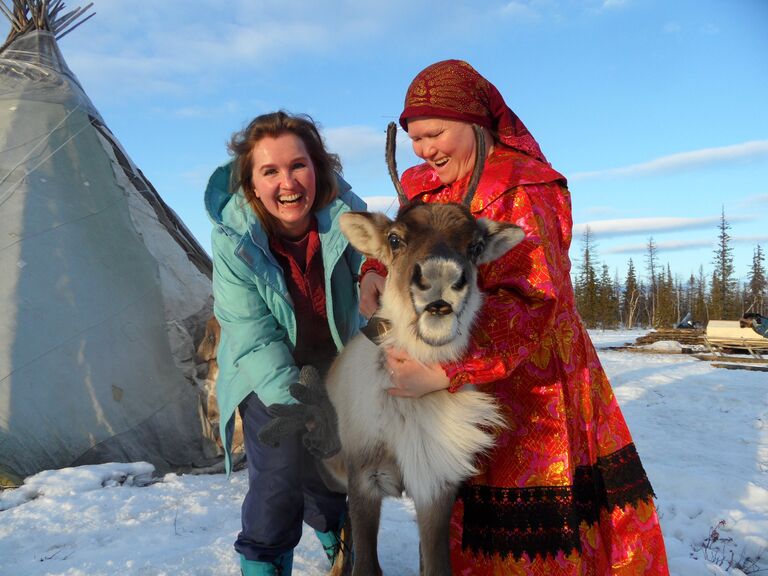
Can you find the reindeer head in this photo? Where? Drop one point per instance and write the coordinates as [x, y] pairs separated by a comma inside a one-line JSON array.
[[431, 252]]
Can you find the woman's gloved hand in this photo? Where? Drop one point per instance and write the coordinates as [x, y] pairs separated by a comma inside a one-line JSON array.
[[313, 414]]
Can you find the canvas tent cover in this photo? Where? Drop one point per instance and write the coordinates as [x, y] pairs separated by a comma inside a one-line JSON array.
[[103, 291]]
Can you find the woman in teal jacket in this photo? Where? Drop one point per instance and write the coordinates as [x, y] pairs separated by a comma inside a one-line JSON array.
[[285, 294]]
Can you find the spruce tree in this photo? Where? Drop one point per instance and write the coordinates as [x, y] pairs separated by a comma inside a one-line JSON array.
[[716, 298], [651, 266], [631, 297], [700, 310], [617, 290], [606, 301], [666, 314], [724, 285], [586, 282], [757, 286]]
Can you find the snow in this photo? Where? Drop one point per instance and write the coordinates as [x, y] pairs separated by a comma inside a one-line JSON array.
[[702, 433], [664, 346]]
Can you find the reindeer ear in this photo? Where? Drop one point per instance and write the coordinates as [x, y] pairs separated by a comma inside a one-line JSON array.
[[500, 237], [366, 231]]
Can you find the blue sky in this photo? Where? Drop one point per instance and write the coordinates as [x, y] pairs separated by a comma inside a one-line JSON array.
[[655, 110]]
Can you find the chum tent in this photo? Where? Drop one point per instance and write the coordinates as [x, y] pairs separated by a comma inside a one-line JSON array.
[[103, 290]]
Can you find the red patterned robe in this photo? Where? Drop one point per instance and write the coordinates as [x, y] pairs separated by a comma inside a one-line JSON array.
[[563, 492]]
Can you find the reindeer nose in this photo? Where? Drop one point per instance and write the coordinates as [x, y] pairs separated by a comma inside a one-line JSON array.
[[439, 308]]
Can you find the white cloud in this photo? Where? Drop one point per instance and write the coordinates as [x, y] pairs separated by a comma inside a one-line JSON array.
[[683, 161], [750, 201], [608, 4], [668, 246], [637, 226], [355, 142], [681, 245], [632, 226], [760, 239], [520, 10], [531, 11], [159, 61], [362, 153], [162, 47], [672, 28], [386, 204]]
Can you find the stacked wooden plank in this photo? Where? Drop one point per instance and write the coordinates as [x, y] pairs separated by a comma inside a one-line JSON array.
[[685, 336]]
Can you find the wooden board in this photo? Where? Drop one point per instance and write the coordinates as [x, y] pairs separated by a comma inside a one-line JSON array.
[[729, 366], [733, 359]]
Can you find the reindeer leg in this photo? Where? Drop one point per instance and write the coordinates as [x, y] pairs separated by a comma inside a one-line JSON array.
[[434, 520], [365, 512]]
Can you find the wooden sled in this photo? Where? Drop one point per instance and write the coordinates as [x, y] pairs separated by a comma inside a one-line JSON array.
[[726, 336]]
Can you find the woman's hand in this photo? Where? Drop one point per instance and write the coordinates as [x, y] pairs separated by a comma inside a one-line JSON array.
[[411, 378], [371, 287]]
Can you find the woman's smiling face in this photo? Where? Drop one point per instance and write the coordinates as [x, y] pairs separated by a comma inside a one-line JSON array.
[[284, 182], [446, 145]]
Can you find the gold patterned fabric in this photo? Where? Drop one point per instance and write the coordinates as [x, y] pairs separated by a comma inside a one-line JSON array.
[[564, 492]]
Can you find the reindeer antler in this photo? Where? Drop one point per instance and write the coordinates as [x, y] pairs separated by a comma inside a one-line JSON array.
[[477, 171], [392, 163]]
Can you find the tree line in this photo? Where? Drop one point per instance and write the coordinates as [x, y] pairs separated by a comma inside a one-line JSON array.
[[660, 299]]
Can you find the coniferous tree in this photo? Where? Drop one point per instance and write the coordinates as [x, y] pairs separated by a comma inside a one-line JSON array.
[[617, 290], [586, 281], [652, 266], [723, 297], [690, 295], [665, 299], [757, 286], [606, 302], [688, 292], [673, 295], [631, 297], [716, 297], [699, 307], [647, 306], [684, 299]]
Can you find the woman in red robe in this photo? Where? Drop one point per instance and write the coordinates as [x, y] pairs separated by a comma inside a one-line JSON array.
[[563, 492]]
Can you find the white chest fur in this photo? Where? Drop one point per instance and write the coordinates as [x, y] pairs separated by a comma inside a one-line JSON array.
[[434, 439]]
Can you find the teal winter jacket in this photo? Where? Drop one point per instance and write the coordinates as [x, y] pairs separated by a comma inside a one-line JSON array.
[[252, 303]]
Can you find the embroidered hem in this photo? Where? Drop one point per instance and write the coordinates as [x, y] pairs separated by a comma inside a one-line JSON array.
[[542, 520]]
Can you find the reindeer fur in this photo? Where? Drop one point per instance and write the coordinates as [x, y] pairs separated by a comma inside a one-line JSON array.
[[206, 355], [425, 446]]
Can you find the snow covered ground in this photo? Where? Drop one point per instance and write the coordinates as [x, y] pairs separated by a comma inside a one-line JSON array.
[[702, 433]]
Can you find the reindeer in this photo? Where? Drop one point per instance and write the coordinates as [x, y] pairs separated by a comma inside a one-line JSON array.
[[429, 445], [207, 375]]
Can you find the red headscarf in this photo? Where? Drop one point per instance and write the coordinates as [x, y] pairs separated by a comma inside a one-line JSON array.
[[453, 89]]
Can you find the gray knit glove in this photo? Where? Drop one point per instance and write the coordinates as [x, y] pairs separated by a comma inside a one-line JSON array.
[[314, 415]]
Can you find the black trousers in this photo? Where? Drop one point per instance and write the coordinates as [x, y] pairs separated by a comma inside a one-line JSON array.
[[284, 490]]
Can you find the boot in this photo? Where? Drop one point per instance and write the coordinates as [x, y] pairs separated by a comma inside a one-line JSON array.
[[331, 542], [280, 566]]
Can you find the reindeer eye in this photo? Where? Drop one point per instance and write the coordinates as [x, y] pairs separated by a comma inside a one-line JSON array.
[[476, 249], [394, 241]]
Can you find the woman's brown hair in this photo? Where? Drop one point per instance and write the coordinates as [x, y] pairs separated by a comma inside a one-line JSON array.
[[273, 125]]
